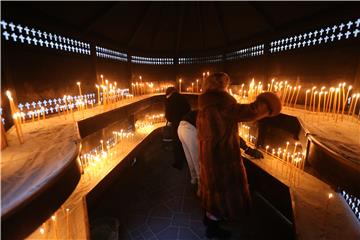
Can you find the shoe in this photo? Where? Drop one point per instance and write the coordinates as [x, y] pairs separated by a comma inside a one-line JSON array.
[[213, 230]]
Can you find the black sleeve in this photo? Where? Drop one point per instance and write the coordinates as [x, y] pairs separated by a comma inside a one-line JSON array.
[[243, 144]]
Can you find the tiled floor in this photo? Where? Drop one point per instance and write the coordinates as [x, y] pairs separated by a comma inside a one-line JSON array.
[[156, 201]]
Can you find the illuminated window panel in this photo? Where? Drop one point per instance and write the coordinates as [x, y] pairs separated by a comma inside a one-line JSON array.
[[254, 51], [110, 54], [199, 60], [27, 35], [353, 202], [55, 105], [152, 61], [324, 35]]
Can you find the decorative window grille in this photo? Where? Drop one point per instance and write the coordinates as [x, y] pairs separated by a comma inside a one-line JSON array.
[[324, 35], [110, 54], [246, 52], [353, 202], [55, 105], [31, 36], [152, 60], [199, 60]]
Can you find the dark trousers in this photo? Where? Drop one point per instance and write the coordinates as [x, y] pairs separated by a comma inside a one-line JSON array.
[[179, 155]]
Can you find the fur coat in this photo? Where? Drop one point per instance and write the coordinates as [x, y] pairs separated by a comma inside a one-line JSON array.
[[223, 186]]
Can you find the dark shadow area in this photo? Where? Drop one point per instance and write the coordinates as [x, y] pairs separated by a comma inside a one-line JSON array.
[[152, 200]]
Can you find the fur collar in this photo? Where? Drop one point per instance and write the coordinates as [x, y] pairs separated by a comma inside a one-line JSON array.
[[215, 98]]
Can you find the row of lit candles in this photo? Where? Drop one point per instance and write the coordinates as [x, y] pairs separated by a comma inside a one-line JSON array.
[[295, 157], [92, 163], [192, 89], [101, 151], [150, 120], [333, 101]]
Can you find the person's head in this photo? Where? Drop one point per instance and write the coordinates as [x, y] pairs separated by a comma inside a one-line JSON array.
[[219, 81], [169, 91]]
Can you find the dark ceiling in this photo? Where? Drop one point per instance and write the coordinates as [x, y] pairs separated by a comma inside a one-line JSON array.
[[177, 28]]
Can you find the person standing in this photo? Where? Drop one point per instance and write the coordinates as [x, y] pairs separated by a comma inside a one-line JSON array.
[[188, 136], [176, 106], [224, 190]]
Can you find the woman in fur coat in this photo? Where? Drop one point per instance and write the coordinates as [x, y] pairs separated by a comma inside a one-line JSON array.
[[224, 189]]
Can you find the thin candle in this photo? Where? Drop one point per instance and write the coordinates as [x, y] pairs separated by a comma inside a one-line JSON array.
[[297, 95], [335, 100], [311, 96], [330, 100], [319, 104], [325, 93], [338, 106], [351, 103], [313, 107], [79, 85], [102, 79], [292, 96], [17, 128], [307, 91], [357, 98], [287, 99], [345, 100], [272, 81], [295, 148], [180, 80], [98, 93]]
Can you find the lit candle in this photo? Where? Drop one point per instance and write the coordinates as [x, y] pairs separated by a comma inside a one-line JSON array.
[[180, 80], [98, 93], [197, 85], [311, 96], [335, 100], [67, 224], [287, 145], [330, 99], [288, 97], [319, 104], [272, 81], [307, 91], [351, 103], [79, 85], [102, 79], [357, 98], [295, 148], [53, 218], [343, 91], [345, 100], [297, 95], [292, 96], [141, 92], [102, 145], [313, 107], [17, 128], [11, 101], [325, 93]]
